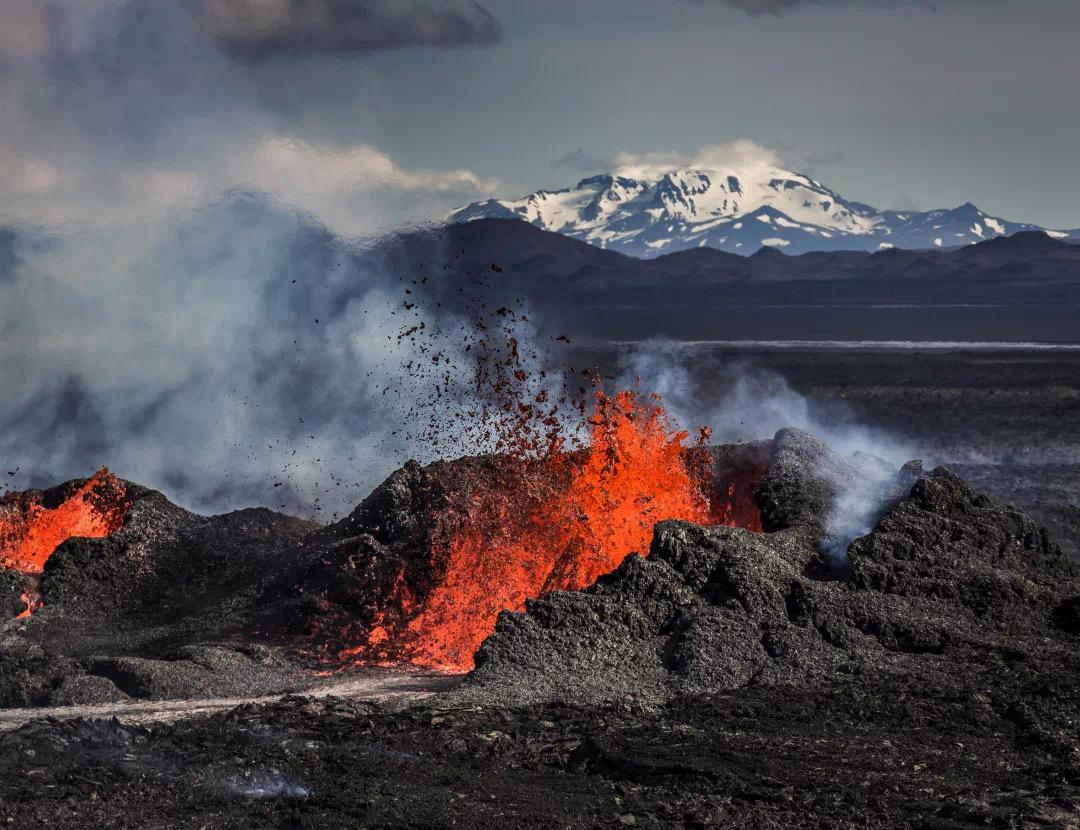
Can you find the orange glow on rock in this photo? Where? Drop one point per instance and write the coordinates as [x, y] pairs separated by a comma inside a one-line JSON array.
[[32, 602], [30, 530]]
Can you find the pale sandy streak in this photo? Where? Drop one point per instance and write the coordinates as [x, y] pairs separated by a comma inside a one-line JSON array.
[[379, 686]]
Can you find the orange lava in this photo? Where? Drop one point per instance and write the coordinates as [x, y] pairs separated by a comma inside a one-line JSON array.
[[32, 602], [536, 525], [30, 530], [736, 506]]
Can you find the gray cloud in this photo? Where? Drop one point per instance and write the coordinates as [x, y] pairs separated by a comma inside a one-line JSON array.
[[109, 104], [9, 257], [756, 7], [905, 201], [259, 29], [776, 7], [246, 28], [135, 77], [584, 161]]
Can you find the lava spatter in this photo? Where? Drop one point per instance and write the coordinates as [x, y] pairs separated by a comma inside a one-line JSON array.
[[533, 525], [569, 481]]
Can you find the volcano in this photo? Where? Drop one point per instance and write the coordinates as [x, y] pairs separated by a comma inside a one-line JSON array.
[[649, 639], [33, 523], [443, 568], [124, 584], [164, 603]]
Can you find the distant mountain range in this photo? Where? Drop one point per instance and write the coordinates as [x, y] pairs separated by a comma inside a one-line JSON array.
[[738, 211], [1024, 287], [1026, 268]]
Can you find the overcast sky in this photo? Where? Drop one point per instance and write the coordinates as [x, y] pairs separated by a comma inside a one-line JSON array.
[[370, 113], [978, 100]]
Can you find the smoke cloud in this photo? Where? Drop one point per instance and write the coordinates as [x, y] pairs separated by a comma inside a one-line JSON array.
[[755, 403], [743, 155], [243, 354], [776, 7], [182, 296]]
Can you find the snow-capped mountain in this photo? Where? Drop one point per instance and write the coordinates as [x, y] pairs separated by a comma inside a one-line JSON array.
[[736, 211]]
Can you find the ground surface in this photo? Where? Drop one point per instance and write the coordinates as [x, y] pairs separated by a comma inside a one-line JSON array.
[[929, 725], [362, 684], [860, 753]]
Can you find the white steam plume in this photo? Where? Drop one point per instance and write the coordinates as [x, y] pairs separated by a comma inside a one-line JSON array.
[[242, 354], [755, 403], [180, 298]]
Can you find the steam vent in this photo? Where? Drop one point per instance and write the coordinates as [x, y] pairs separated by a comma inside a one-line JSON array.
[[700, 629]]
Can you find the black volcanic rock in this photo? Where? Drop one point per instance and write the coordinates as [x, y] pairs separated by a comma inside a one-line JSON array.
[[12, 586], [802, 481], [173, 604], [168, 568], [34, 676], [945, 542], [163, 607], [193, 672], [349, 568], [947, 582], [725, 680], [688, 618]]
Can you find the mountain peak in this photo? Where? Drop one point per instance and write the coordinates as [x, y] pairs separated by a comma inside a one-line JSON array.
[[1027, 241], [649, 212]]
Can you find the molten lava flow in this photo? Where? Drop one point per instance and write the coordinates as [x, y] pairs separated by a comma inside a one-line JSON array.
[[30, 530], [536, 525]]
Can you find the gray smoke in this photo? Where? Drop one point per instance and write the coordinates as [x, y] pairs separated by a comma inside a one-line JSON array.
[[182, 296], [240, 355], [246, 355], [755, 403], [273, 785]]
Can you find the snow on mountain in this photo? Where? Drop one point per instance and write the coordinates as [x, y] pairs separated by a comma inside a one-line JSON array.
[[739, 211]]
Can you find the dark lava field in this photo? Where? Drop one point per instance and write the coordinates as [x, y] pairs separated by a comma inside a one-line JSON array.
[[926, 677]]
